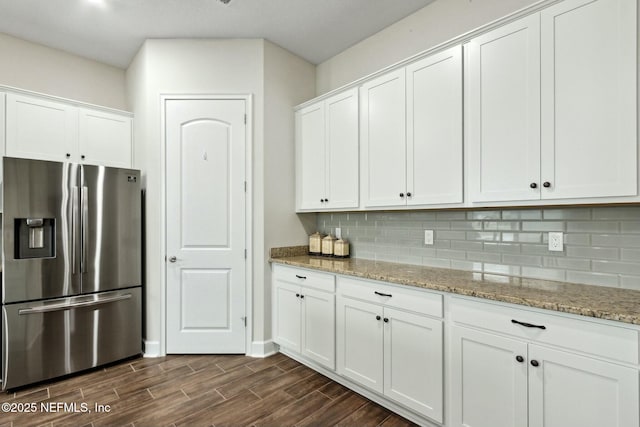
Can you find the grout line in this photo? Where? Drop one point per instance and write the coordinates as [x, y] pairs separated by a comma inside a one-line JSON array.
[[149, 391]]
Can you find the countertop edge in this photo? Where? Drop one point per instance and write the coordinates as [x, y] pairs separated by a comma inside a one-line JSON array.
[[487, 295]]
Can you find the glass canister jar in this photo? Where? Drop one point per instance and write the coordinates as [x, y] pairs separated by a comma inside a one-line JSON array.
[[315, 243], [327, 245]]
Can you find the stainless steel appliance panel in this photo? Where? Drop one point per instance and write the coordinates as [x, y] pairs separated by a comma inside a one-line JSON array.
[[111, 223], [51, 338], [35, 189]]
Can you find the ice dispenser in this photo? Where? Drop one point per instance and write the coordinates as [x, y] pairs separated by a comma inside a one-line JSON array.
[[35, 238]]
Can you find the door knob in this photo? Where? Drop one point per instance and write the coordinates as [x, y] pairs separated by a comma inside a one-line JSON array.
[[172, 259]]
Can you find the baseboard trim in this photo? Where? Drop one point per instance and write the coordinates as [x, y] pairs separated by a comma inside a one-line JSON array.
[[152, 349], [262, 349]]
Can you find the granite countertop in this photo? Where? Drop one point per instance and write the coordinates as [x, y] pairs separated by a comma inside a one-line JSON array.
[[621, 305]]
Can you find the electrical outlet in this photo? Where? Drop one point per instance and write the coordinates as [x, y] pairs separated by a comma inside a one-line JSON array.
[[338, 233], [428, 237], [556, 241]]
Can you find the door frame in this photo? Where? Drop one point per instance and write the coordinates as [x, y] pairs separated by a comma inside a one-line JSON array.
[[248, 99]]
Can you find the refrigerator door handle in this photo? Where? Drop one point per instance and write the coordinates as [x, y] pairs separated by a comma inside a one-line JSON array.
[[84, 230], [74, 229], [61, 307]]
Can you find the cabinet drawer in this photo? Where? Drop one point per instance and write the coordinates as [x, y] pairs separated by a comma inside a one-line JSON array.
[[616, 343], [391, 296], [300, 276]]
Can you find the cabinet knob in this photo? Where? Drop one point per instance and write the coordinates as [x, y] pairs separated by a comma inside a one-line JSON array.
[[297, 295], [408, 194], [535, 363], [321, 200], [546, 184], [378, 317], [326, 200], [386, 320], [520, 359], [82, 157], [68, 155], [533, 185], [301, 296], [401, 194]]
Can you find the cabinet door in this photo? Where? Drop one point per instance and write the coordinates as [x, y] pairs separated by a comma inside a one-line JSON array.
[[488, 384], [286, 316], [413, 372], [105, 138], [589, 92], [359, 342], [504, 113], [41, 129], [434, 129], [574, 391], [384, 140], [318, 327], [342, 172], [310, 157]]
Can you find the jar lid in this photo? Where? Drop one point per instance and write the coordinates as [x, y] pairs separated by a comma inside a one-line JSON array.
[[329, 237], [317, 233]]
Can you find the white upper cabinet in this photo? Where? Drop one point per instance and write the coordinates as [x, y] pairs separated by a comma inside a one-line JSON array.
[[104, 138], [504, 112], [434, 129], [327, 153], [589, 112], [44, 129], [384, 140], [412, 134], [40, 129], [552, 105]]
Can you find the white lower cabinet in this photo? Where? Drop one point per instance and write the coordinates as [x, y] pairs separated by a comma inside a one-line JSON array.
[[304, 316], [498, 381], [393, 352]]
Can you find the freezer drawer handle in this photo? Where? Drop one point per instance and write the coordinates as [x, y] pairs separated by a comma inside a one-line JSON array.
[[60, 307]]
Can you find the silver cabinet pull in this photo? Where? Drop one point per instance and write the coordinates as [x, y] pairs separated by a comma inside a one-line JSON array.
[[172, 259]]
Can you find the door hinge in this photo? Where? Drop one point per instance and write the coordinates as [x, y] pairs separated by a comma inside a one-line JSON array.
[[244, 320], [245, 186], [245, 254], [245, 119]]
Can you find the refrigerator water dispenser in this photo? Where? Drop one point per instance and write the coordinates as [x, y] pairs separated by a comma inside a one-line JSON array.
[[35, 238]]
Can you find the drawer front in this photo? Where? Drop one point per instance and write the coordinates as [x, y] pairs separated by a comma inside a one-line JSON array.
[[303, 277], [616, 343], [391, 296]]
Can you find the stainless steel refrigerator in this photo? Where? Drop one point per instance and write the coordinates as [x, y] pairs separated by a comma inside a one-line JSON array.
[[71, 260]]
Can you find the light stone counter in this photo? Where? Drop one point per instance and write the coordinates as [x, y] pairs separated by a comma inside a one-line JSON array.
[[621, 305]]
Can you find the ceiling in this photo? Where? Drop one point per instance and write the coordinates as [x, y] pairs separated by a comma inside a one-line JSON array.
[[112, 31]]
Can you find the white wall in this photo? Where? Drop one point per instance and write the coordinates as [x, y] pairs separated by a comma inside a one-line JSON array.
[[436, 23], [31, 66], [278, 80], [288, 81]]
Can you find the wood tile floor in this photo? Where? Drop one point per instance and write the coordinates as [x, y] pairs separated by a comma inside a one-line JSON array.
[[200, 390]]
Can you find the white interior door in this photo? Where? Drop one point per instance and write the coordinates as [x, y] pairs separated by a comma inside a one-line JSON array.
[[205, 172]]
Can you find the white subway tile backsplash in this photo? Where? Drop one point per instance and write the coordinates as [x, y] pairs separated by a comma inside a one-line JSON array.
[[483, 215], [593, 226], [602, 244], [591, 278], [522, 214], [543, 273], [542, 226], [616, 267], [593, 252], [522, 259]]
